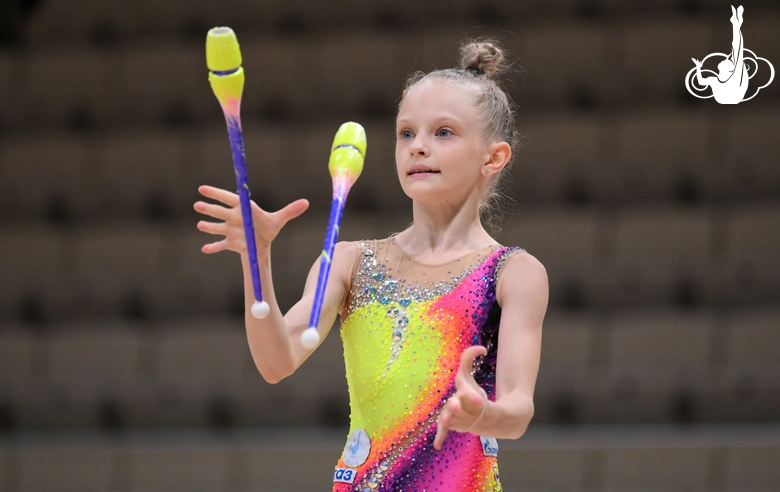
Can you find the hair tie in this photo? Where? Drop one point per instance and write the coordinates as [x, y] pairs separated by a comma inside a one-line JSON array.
[[475, 71]]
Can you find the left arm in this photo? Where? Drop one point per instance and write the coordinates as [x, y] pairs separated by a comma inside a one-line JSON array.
[[522, 293]]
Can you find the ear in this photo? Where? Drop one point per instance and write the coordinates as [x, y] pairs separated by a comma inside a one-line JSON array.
[[499, 156]]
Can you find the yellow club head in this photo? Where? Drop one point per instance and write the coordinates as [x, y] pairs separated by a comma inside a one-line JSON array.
[[223, 57], [348, 152], [222, 51]]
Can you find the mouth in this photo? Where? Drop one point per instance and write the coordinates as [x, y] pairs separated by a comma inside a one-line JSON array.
[[422, 171]]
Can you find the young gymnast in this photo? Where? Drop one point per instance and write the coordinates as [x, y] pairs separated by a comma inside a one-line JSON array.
[[731, 84], [441, 325]]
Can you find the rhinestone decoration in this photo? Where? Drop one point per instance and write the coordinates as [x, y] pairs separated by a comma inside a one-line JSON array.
[[404, 331]]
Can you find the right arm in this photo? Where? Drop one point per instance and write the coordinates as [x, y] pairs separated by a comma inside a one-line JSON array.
[[701, 80], [274, 341]]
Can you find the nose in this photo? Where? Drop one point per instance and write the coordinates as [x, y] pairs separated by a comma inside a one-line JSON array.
[[418, 147]]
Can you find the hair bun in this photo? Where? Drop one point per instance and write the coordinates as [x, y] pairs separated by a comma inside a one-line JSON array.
[[482, 57]]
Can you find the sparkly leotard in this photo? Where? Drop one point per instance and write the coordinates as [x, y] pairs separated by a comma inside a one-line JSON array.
[[406, 326]]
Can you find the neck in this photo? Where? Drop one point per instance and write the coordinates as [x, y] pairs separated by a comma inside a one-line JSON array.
[[442, 231]]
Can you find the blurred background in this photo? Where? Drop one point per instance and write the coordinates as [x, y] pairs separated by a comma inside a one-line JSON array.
[[123, 358]]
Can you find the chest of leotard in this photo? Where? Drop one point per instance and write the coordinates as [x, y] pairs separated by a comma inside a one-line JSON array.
[[407, 324]]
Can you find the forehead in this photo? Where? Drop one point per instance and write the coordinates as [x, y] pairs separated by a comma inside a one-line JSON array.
[[438, 99]]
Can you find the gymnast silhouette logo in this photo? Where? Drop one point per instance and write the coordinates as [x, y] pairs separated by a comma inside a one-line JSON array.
[[735, 70], [354, 445], [357, 449]]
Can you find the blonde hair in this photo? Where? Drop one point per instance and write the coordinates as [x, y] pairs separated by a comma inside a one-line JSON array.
[[481, 61]]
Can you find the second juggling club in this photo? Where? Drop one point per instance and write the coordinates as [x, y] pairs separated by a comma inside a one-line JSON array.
[[346, 163]]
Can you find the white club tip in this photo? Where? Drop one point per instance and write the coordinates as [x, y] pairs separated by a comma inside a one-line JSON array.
[[310, 338], [260, 309]]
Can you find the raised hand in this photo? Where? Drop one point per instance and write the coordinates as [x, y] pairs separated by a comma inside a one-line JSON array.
[[469, 402], [267, 225], [697, 62]]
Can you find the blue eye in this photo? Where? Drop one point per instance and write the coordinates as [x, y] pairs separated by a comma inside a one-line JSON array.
[[444, 132], [406, 134]]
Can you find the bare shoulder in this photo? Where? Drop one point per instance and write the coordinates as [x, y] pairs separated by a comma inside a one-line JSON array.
[[345, 257], [348, 248], [345, 253], [524, 262], [523, 278]]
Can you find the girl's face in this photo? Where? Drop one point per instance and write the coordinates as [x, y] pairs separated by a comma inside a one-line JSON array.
[[440, 149]]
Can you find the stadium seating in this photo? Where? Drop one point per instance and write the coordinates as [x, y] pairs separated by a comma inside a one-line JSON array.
[[655, 214]]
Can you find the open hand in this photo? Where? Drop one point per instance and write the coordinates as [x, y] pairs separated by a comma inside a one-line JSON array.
[[267, 225], [467, 405], [696, 62]]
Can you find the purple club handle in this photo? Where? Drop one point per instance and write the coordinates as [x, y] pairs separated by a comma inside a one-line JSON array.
[[244, 195], [331, 235]]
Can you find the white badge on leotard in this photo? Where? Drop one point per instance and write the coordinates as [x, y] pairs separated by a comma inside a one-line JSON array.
[[357, 448], [489, 446]]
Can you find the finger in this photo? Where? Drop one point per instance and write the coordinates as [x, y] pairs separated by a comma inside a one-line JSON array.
[[216, 247], [453, 408], [216, 211], [228, 198], [467, 362], [292, 210], [441, 434], [212, 227], [473, 400]]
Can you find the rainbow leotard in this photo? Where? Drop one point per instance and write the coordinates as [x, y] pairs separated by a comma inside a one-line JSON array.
[[406, 326]]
